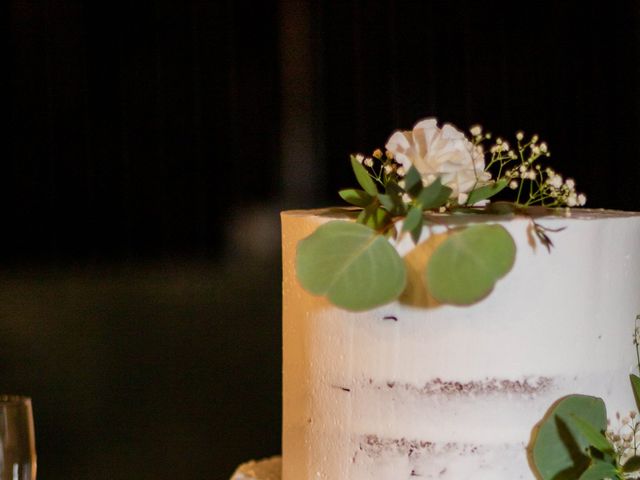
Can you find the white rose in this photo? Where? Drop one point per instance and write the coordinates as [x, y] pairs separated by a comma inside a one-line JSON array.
[[440, 152]]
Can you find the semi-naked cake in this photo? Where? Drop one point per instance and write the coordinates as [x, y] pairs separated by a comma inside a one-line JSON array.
[[414, 389]]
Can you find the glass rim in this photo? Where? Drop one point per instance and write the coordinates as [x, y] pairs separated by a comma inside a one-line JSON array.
[[8, 400]]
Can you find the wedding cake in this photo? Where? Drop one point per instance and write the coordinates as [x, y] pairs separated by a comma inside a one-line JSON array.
[[432, 332], [450, 392]]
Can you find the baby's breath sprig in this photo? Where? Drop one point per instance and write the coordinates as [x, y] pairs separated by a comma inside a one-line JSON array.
[[381, 167], [626, 437], [520, 169]]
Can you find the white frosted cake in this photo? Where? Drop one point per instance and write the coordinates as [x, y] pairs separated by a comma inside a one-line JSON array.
[[414, 389]]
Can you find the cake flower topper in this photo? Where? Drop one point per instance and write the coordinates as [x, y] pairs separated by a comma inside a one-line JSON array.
[[424, 173]]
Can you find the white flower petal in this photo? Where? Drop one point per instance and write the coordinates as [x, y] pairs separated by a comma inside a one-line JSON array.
[[444, 153]]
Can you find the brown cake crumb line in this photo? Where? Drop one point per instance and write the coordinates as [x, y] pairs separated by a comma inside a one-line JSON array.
[[374, 446], [488, 386]]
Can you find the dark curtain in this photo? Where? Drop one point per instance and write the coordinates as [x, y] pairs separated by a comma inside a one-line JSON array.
[[134, 128], [133, 124], [569, 71]]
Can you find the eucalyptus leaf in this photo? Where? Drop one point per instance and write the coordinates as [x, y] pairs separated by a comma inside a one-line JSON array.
[[502, 208], [374, 217], [363, 177], [413, 181], [356, 197], [413, 218], [558, 448], [413, 223], [599, 470], [353, 266], [465, 267], [486, 191], [390, 202], [593, 435], [632, 465], [392, 188], [434, 195], [386, 201], [416, 231], [635, 385], [457, 210]]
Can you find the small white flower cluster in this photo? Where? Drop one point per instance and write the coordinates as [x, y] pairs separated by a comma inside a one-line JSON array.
[[565, 190], [626, 438], [381, 166], [366, 161], [534, 185]]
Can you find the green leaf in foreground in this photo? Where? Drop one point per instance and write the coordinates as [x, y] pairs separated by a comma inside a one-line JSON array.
[[465, 267], [487, 191], [363, 177], [352, 265], [559, 449]]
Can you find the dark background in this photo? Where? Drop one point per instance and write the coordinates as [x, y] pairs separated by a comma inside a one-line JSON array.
[[149, 146]]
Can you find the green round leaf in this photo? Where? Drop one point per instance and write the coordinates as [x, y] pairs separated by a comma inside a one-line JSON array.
[[558, 445], [355, 267], [465, 267]]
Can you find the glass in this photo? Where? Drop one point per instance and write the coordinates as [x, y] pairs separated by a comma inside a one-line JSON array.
[[17, 438]]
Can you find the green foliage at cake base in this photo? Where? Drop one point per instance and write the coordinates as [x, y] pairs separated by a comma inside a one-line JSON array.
[[562, 447], [574, 440]]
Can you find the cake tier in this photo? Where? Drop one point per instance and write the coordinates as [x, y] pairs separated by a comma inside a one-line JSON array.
[[417, 389]]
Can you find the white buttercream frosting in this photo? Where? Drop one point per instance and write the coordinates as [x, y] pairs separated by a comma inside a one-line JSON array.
[[449, 392]]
